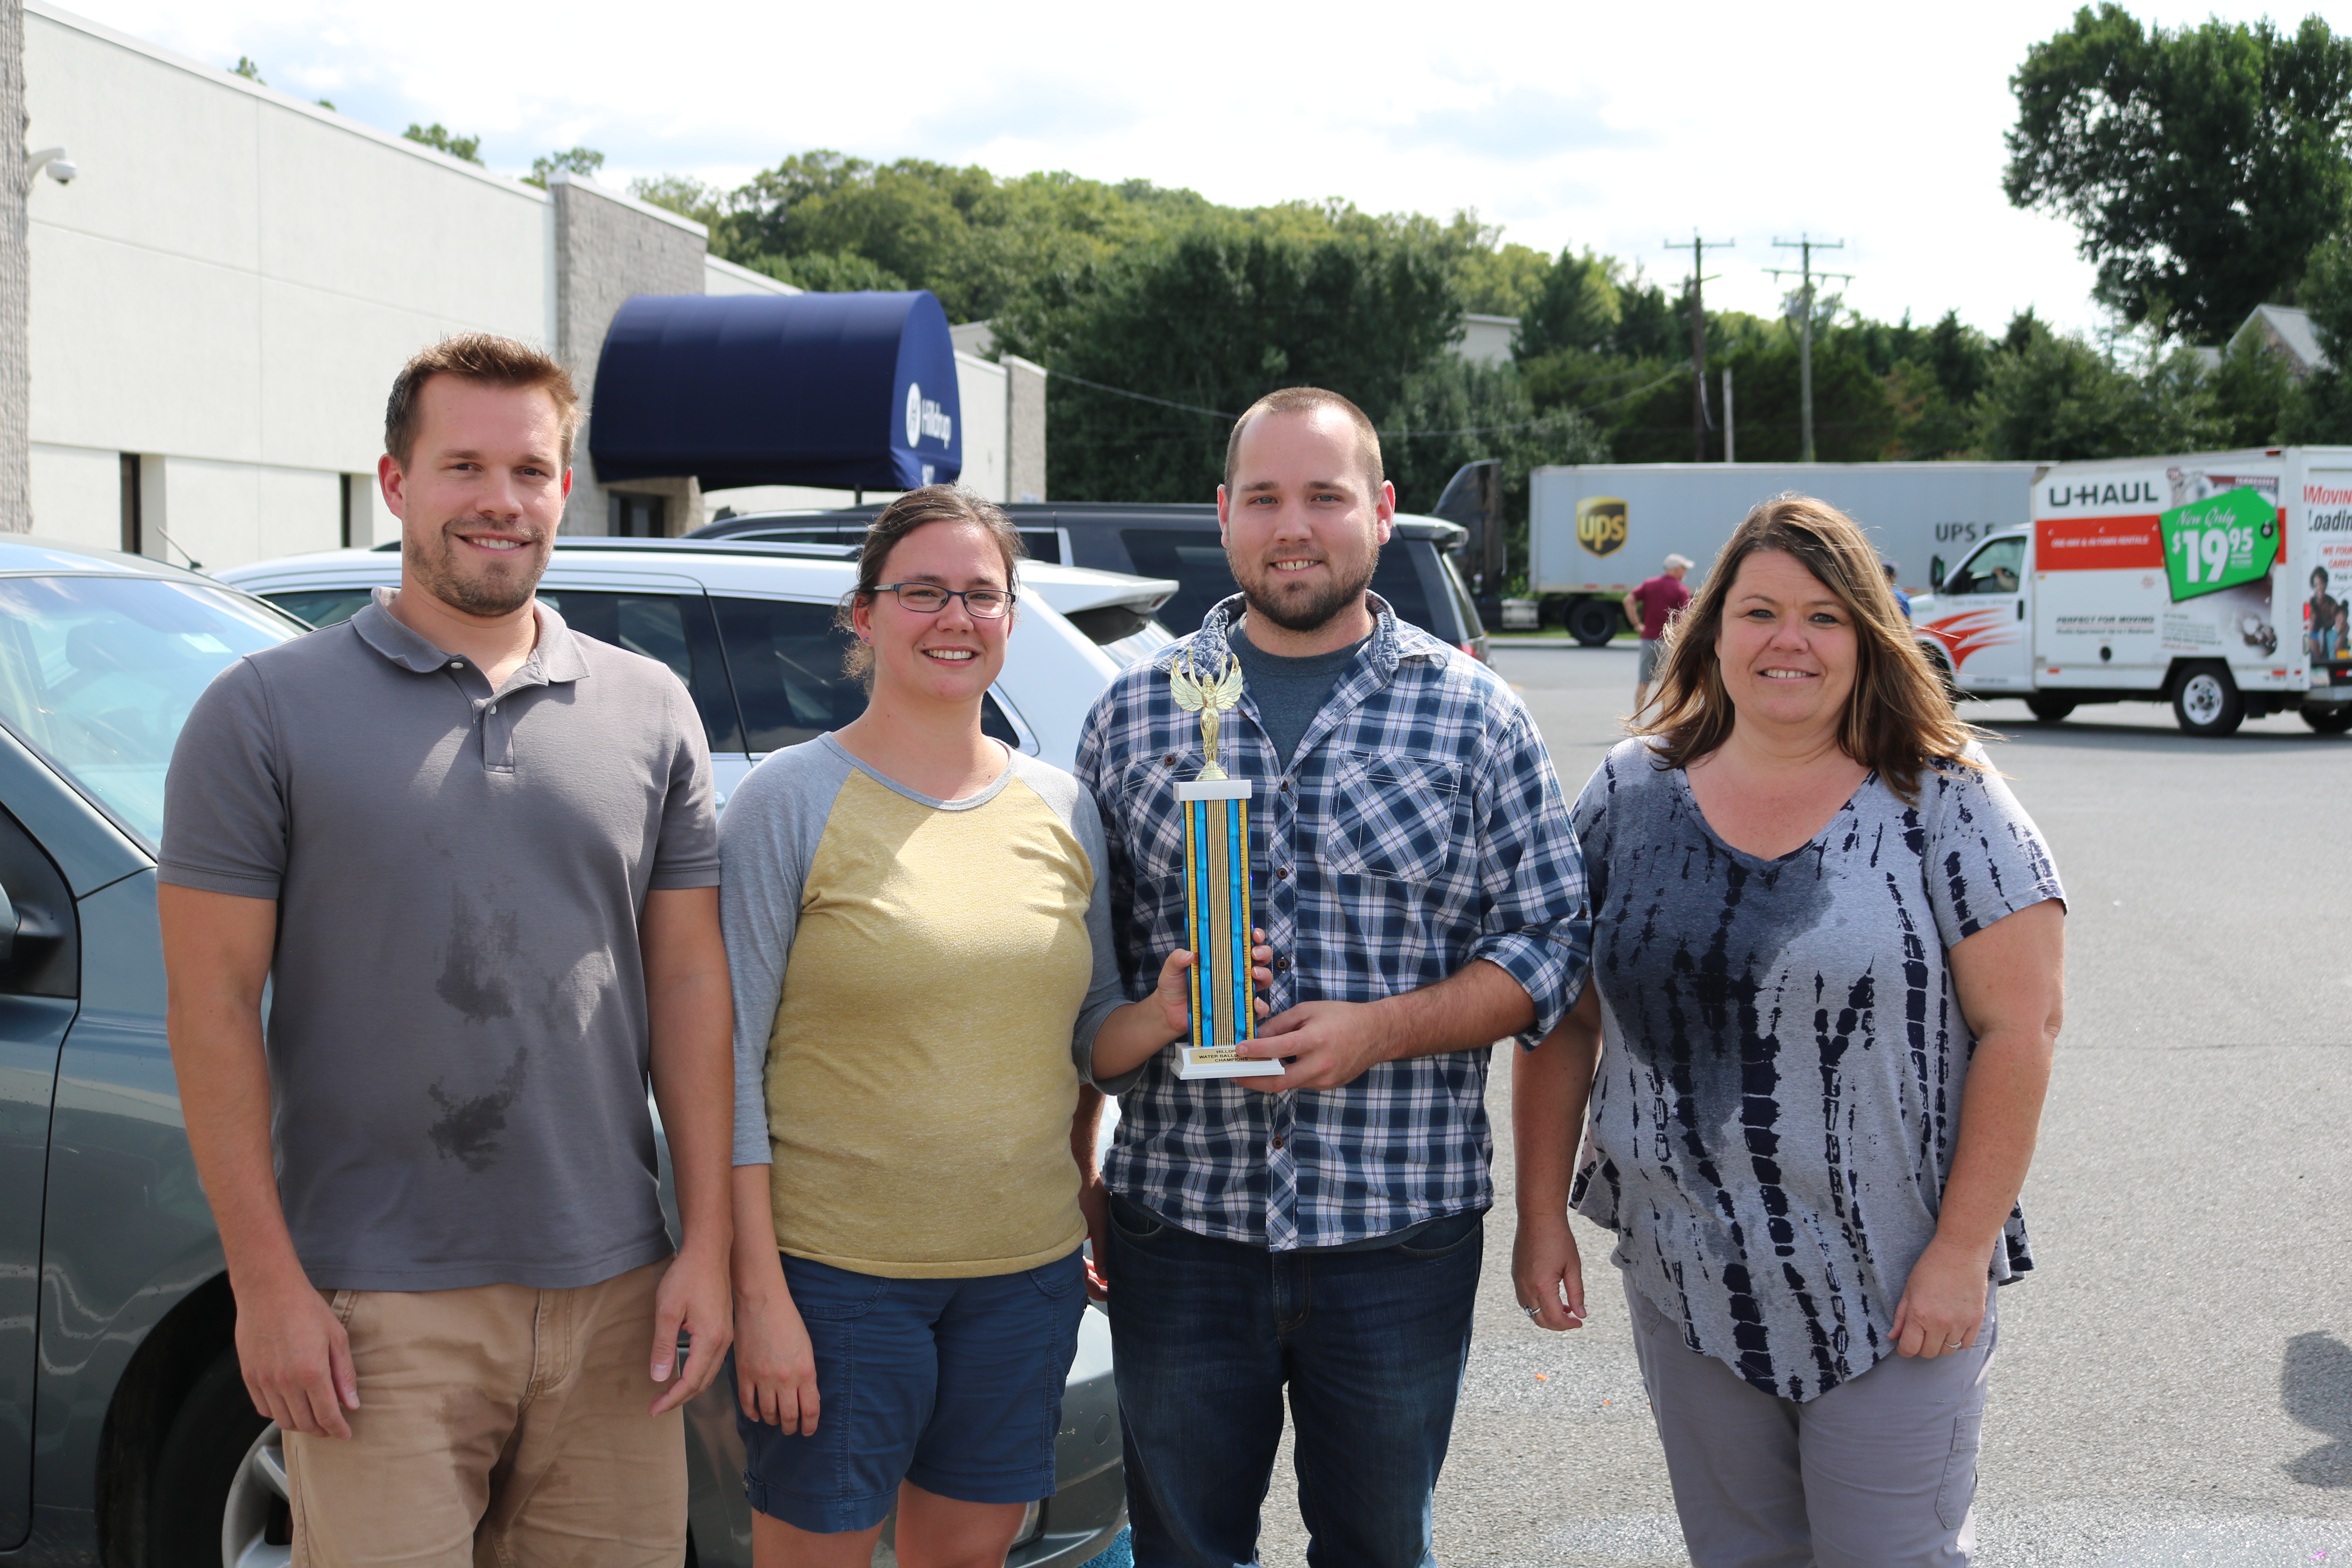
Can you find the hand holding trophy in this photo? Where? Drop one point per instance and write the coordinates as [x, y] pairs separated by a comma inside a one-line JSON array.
[[1216, 885]]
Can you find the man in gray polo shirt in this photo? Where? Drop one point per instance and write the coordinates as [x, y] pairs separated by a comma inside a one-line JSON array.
[[475, 853]]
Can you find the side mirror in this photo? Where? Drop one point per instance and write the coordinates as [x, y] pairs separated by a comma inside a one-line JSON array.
[[9, 920], [1935, 572]]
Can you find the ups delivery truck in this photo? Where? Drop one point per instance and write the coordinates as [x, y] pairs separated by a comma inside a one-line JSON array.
[[1596, 530]]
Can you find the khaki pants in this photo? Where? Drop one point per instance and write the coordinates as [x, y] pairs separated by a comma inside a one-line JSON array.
[[498, 1427]]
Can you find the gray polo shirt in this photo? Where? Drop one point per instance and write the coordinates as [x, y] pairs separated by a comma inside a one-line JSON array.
[[457, 1036]]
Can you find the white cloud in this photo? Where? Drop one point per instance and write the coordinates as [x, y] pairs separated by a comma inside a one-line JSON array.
[[1618, 127]]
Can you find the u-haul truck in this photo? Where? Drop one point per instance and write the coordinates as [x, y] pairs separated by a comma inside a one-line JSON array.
[[2217, 582]]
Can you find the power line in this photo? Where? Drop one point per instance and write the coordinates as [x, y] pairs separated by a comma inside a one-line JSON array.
[[1143, 397], [1805, 245], [1698, 249], [1410, 435]]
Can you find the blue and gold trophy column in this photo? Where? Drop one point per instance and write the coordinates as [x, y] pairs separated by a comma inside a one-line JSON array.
[[1217, 914]]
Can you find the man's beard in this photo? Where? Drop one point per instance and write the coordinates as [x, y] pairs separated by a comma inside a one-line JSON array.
[[1311, 612], [489, 596]]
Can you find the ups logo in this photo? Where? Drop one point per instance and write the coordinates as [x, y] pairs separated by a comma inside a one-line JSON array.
[[1601, 523]]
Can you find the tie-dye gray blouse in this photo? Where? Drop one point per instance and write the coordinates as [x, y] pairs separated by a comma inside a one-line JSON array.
[[1783, 1055]]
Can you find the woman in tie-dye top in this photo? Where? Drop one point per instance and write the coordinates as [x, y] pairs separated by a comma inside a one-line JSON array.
[[1825, 989]]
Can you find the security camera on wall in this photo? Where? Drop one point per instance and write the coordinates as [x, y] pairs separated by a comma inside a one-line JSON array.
[[61, 168]]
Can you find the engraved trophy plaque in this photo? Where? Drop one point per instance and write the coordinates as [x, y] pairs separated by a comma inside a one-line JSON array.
[[1217, 919]]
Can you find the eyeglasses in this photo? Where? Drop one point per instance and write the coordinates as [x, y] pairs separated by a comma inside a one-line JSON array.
[[930, 599]]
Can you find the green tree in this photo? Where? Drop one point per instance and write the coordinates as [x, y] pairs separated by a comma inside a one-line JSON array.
[[1213, 316], [1575, 307], [2058, 398], [1932, 377], [2253, 394], [683, 195], [468, 149], [1854, 421], [2321, 409], [2201, 165], [1454, 411], [246, 68], [973, 239], [571, 161], [831, 272], [1501, 280]]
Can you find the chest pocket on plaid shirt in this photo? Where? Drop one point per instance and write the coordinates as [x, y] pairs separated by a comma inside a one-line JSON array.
[[1393, 816]]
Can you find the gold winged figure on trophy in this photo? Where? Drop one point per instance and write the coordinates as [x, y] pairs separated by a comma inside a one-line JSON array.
[[1196, 691]]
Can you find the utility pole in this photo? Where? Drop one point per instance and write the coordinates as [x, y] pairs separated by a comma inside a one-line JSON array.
[[1730, 436], [1698, 249], [1805, 245]]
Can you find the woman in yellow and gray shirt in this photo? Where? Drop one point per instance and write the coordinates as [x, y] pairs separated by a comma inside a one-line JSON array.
[[918, 927]]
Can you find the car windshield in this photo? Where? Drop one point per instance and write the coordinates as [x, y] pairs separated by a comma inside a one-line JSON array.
[[99, 673]]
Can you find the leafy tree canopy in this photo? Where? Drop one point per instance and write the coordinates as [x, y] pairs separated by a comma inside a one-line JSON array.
[[571, 161], [1181, 313], [2202, 164], [468, 149]]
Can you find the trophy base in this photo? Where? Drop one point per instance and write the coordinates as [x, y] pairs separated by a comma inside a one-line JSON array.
[[1219, 1061]]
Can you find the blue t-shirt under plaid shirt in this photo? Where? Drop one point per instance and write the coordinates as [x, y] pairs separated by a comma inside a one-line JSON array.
[[1419, 826]]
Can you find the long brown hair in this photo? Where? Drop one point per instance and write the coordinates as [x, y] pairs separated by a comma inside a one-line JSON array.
[[1897, 721], [932, 504]]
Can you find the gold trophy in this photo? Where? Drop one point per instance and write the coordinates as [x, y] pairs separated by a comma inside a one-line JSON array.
[[1216, 885]]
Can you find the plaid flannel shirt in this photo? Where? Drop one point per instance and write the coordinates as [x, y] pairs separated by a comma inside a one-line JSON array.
[[1419, 826]]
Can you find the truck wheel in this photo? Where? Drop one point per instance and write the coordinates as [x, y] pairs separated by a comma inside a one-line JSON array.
[[220, 1487], [2328, 720], [2207, 703], [2049, 710], [1592, 622]]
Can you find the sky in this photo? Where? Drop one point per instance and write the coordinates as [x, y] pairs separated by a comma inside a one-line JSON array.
[[1617, 128]]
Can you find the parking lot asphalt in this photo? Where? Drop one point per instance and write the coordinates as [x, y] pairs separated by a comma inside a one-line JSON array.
[[2174, 1384]]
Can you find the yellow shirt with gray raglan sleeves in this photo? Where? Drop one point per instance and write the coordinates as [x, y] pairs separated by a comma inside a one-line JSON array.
[[915, 981]]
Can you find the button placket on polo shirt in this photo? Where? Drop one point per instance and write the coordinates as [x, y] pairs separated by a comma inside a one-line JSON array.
[[495, 715]]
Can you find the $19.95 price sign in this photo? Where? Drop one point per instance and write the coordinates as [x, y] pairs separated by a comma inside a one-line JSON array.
[[2218, 542]]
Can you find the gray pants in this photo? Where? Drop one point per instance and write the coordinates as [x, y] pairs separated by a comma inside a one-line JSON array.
[[1880, 1472]]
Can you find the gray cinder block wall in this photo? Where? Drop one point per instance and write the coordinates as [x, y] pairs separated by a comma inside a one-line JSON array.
[[1025, 429], [609, 247]]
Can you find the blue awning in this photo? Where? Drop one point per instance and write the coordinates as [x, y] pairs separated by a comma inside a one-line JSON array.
[[846, 391]]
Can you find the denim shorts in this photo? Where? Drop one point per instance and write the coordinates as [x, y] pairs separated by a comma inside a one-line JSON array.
[[953, 1385]]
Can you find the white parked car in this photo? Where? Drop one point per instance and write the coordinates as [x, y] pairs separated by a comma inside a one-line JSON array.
[[749, 628]]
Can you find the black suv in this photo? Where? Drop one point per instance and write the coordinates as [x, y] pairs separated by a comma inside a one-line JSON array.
[[1169, 540]]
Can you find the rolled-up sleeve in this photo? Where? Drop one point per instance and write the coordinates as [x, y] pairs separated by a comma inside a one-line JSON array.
[[1537, 926]]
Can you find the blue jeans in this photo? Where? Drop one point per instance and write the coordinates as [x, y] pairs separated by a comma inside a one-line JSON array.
[[1206, 1336]]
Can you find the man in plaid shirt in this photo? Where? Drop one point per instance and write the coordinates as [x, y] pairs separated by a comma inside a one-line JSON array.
[[1422, 897]]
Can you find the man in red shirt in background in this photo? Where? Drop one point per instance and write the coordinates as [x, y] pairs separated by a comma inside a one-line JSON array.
[[1651, 606]]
